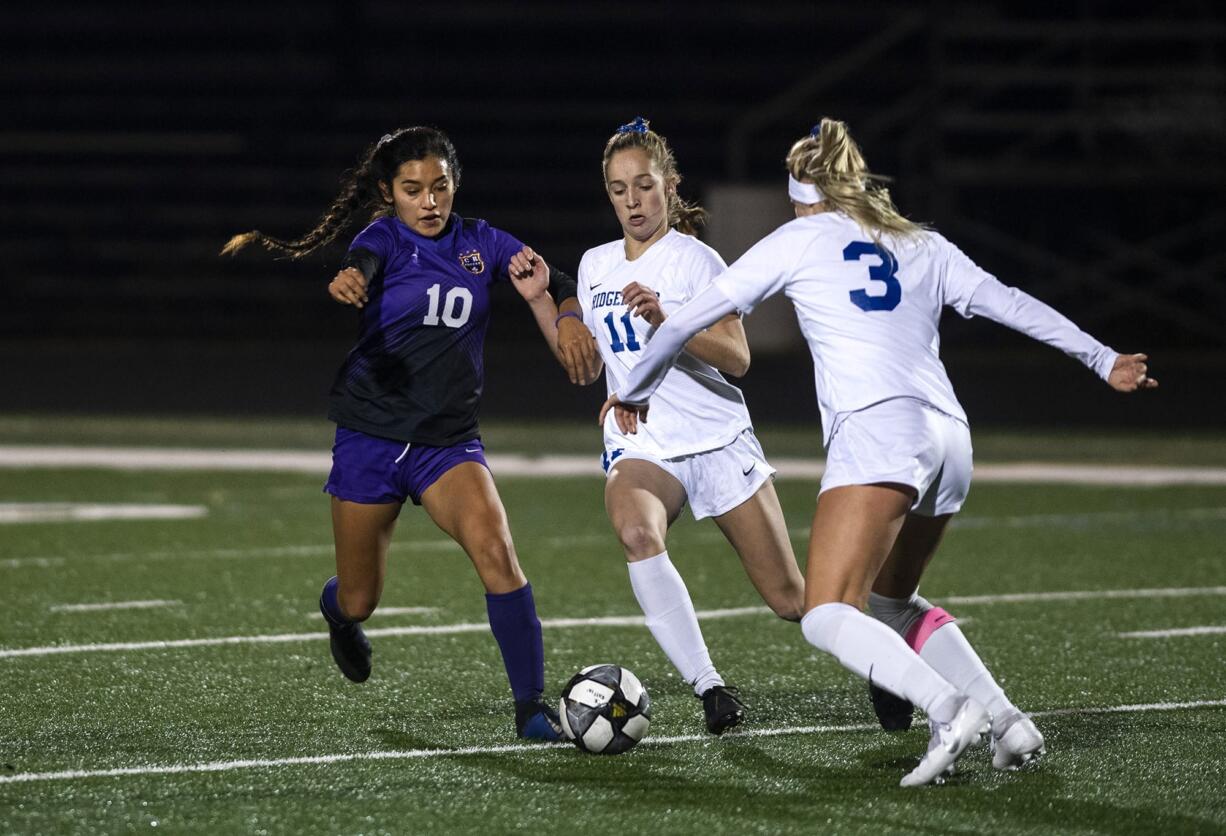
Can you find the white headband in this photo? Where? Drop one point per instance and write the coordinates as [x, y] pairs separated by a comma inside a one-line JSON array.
[[806, 193]]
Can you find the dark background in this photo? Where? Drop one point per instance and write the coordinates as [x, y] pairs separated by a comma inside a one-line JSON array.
[[1075, 149]]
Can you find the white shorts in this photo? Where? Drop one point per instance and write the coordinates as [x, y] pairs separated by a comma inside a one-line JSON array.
[[715, 481], [906, 441]]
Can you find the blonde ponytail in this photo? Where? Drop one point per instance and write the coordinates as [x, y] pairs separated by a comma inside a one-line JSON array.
[[830, 159]]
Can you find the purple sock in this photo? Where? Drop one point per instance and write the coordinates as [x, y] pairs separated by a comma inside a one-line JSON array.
[[518, 632], [328, 604]]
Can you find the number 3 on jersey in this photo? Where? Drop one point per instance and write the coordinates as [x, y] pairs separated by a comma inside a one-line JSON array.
[[883, 272], [615, 340], [456, 308]]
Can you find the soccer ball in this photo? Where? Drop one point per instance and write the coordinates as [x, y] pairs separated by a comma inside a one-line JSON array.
[[605, 709]]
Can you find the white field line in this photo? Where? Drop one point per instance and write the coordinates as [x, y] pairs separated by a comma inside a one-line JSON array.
[[149, 458], [510, 464], [40, 512], [525, 748], [1090, 519], [406, 547], [113, 605], [400, 548], [1214, 630], [1106, 474], [28, 562], [1146, 519], [383, 611], [1086, 595], [414, 630], [1143, 518], [602, 621]]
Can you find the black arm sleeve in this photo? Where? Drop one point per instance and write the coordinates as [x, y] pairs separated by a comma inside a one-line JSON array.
[[562, 285], [364, 260]]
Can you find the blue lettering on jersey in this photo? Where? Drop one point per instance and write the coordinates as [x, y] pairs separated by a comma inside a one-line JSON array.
[[606, 298], [613, 299], [615, 341], [883, 272]]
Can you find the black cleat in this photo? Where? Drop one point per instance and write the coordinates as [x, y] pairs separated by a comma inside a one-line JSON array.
[[723, 708], [535, 720], [350, 648], [893, 712], [351, 651]]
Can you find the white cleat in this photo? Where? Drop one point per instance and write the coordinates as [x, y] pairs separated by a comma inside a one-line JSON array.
[[948, 742], [1015, 741], [934, 741]]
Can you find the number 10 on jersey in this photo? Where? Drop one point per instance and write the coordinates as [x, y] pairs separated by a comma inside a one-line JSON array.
[[615, 340], [453, 311]]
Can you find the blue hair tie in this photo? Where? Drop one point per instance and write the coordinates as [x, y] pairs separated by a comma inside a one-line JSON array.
[[817, 130], [638, 126]]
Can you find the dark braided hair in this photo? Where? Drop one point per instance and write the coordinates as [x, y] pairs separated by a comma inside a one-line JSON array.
[[360, 189]]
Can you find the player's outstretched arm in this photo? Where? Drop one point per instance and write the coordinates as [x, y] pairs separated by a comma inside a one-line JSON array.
[[564, 332], [576, 345], [1130, 373], [530, 277], [1023, 313], [658, 356], [348, 287], [723, 345]]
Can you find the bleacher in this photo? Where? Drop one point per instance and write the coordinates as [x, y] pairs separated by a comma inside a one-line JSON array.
[[138, 137]]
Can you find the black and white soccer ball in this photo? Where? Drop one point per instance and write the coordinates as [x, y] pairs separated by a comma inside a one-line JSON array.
[[605, 709]]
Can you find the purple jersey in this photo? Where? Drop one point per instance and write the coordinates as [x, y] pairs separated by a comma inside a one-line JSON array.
[[416, 372]]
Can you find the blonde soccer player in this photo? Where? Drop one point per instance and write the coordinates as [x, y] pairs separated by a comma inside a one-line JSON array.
[[700, 449], [869, 286]]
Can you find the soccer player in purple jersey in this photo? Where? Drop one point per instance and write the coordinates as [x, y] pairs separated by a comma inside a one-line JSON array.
[[405, 400]]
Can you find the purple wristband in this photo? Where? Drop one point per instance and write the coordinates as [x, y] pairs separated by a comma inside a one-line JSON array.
[[563, 316]]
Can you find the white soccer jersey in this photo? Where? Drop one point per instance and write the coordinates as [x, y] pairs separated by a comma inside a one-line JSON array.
[[870, 311], [695, 409]]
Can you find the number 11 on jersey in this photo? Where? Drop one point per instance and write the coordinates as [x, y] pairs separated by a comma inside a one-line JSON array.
[[615, 339]]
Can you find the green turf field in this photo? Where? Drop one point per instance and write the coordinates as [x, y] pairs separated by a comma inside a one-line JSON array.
[[114, 739]]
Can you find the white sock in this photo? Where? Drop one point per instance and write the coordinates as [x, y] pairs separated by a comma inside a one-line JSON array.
[[945, 649], [670, 616], [875, 652], [951, 654]]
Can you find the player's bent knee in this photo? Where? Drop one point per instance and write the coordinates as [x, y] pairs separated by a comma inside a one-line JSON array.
[[640, 541], [790, 610], [496, 550], [787, 602], [493, 554]]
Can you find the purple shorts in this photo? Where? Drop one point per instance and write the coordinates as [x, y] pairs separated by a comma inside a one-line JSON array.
[[373, 470]]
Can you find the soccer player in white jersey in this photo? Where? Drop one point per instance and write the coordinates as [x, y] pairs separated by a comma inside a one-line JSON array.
[[700, 447], [868, 287]]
